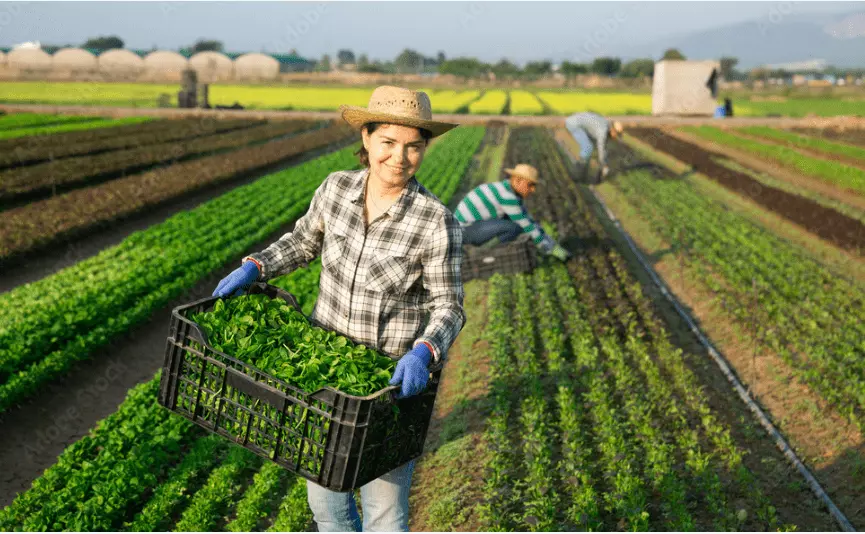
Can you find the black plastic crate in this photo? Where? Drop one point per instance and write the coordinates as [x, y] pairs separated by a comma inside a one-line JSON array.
[[336, 440], [516, 257]]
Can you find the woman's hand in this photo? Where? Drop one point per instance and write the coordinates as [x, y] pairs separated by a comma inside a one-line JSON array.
[[411, 371], [239, 280]]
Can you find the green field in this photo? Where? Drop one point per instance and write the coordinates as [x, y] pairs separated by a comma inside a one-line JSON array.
[[312, 98]]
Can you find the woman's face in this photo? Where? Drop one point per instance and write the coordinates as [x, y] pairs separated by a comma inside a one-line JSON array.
[[395, 153]]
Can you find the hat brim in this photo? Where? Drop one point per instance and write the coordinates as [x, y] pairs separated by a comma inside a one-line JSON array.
[[357, 116], [512, 172]]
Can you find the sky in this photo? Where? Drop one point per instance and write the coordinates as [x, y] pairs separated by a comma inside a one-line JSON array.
[[489, 31]]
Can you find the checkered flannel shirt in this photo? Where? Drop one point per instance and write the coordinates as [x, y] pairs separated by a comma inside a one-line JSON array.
[[390, 286]]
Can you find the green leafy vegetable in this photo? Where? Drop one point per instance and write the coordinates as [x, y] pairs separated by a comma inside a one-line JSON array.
[[276, 338]]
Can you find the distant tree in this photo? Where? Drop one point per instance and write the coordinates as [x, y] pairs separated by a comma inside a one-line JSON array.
[[673, 53], [345, 57], [409, 61], [537, 69], [606, 66], [728, 64], [638, 68], [440, 58], [324, 64], [53, 49], [464, 67], [293, 52], [103, 43], [204, 45], [572, 69], [504, 69], [362, 62]]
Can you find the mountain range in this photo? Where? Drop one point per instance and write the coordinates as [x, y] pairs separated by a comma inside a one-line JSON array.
[[778, 38]]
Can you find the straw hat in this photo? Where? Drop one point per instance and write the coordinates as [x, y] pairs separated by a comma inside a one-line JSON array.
[[524, 170], [618, 127], [396, 105]]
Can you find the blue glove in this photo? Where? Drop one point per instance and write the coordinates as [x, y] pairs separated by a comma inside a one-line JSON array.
[[239, 280], [412, 371]]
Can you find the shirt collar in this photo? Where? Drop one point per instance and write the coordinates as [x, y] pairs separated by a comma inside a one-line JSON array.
[[398, 208]]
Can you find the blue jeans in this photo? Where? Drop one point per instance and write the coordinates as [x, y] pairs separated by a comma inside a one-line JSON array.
[[384, 502], [480, 232], [585, 142]]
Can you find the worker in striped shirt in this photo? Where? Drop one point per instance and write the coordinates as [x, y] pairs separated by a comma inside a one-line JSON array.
[[496, 210]]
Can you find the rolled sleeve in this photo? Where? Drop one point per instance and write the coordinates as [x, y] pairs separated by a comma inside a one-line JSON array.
[[298, 247], [443, 281]]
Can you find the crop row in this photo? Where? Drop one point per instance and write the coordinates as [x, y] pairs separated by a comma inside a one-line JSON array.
[[20, 134], [796, 140], [491, 103], [88, 169], [661, 459], [196, 486], [525, 103], [93, 142], [27, 120], [794, 305], [52, 323], [833, 172], [43, 222]]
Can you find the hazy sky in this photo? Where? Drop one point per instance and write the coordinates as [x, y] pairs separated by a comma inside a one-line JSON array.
[[486, 30]]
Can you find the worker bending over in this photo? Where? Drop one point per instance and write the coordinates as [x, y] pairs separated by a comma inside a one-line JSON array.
[[496, 210], [589, 129]]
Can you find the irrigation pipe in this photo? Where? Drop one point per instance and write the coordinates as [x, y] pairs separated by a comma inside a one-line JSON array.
[[780, 442]]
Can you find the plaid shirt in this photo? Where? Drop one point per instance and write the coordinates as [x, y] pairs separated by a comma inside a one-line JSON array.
[[389, 286]]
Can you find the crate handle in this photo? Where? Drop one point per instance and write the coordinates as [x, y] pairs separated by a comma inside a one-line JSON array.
[[257, 390]]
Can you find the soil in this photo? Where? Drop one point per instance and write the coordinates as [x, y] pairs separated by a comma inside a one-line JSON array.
[[827, 223]]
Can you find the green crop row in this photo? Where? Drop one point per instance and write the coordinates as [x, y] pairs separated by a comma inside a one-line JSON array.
[[30, 120], [61, 319], [795, 306], [793, 139], [73, 127], [840, 174]]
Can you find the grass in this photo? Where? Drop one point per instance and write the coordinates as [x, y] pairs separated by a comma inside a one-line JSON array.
[[603, 103]]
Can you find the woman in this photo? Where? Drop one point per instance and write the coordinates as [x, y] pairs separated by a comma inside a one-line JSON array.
[[390, 278]]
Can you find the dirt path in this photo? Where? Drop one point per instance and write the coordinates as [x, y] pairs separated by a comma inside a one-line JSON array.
[[824, 222]]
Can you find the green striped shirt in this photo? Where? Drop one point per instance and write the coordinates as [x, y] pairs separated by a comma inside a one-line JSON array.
[[497, 200]]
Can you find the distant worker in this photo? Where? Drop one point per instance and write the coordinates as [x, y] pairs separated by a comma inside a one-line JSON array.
[[496, 210], [589, 128]]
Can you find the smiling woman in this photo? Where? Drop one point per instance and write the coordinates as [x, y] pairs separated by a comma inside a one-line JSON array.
[[390, 251]]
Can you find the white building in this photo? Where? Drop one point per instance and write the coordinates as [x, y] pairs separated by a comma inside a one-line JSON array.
[[682, 87]]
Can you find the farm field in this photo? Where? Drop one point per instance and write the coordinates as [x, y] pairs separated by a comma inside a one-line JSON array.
[[536, 426], [328, 98]]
